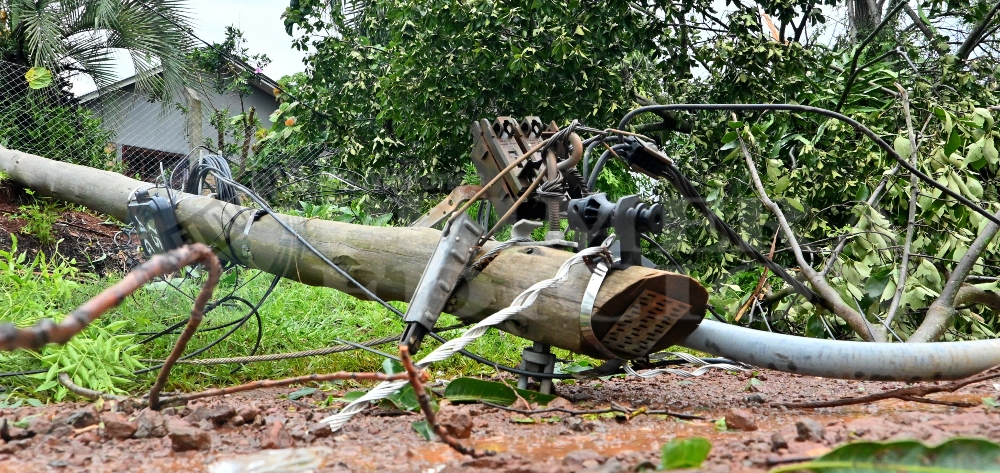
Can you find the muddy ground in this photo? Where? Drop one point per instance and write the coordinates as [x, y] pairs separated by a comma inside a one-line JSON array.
[[84, 239], [222, 434]]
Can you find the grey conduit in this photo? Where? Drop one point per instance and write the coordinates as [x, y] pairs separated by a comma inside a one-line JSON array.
[[845, 359]]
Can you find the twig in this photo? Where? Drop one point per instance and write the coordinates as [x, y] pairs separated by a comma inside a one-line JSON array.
[[595, 411], [203, 254], [425, 406], [976, 35], [855, 70], [911, 216], [524, 401], [81, 391], [853, 318], [938, 401], [755, 295], [919, 23], [904, 393], [184, 398]]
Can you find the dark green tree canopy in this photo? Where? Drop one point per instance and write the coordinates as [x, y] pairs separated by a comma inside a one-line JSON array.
[[392, 86]]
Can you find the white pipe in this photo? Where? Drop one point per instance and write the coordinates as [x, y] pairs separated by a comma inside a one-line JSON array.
[[845, 359]]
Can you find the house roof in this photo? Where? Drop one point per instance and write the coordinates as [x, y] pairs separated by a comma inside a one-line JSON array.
[[263, 82]]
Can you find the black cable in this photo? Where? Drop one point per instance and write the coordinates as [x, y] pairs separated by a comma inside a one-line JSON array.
[[829, 113], [253, 312], [601, 162], [663, 251]]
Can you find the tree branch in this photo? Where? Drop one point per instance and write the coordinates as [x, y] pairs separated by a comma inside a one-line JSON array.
[[852, 317], [977, 34], [855, 70], [919, 23], [941, 311], [914, 181], [908, 394]]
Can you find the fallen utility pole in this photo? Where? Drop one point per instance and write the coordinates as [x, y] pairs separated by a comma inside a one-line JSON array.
[[386, 260]]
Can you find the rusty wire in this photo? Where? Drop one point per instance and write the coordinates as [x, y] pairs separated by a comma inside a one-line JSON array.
[[416, 377], [46, 331]]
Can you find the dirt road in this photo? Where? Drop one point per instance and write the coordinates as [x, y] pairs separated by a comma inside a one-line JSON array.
[[220, 435]]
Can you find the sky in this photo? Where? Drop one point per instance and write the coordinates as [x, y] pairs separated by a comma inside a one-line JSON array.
[[262, 27]]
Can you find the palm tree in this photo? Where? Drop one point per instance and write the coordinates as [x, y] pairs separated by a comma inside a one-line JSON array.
[[89, 36]]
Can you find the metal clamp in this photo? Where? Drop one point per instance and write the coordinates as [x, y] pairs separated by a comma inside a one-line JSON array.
[[587, 309]]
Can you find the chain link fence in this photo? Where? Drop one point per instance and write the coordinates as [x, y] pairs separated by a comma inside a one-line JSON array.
[[122, 129]]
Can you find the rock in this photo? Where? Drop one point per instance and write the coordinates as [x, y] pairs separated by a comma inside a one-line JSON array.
[[276, 436], [457, 423], [236, 421], [579, 457], [778, 442], [809, 430], [149, 424], [83, 418], [118, 426], [60, 431], [739, 419], [560, 403], [577, 424], [217, 415], [580, 397], [39, 426], [756, 398], [10, 432], [248, 412], [320, 430], [14, 446], [612, 466], [184, 437]]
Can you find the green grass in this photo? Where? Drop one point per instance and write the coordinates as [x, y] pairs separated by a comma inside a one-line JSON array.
[[295, 317]]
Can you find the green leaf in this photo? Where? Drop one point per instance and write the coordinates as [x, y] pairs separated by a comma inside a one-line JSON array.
[[475, 390], [684, 453], [391, 366], [302, 393], [902, 146], [954, 143], [522, 420], [38, 77], [405, 399], [424, 430], [955, 455], [352, 396], [990, 402]]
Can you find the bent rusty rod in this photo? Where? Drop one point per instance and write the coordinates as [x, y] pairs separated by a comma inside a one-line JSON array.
[[46, 331]]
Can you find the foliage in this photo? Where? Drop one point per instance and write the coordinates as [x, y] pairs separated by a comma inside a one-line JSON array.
[[354, 212], [396, 88], [43, 124], [40, 216], [86, 37], [954, 455], [393, 86], [95, 360], [232, 69], [684, 453], [475, 390], [296, 317]]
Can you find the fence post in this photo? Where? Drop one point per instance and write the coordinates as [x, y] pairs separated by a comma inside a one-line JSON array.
[[193, 123]]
